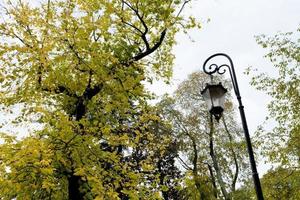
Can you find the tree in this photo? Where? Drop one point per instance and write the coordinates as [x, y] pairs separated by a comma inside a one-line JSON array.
[[281, 183], [214, 150], [78, 67], [278, 183], [281, 144]]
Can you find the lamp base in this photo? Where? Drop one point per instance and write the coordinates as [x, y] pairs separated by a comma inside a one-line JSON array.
[[217, 112]]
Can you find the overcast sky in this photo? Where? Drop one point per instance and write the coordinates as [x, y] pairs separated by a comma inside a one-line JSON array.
[[232, 27]]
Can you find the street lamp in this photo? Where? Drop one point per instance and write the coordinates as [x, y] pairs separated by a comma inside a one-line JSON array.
[[214, 96]]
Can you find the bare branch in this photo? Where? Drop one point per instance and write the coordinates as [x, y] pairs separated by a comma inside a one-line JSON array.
[[215, 161], [236, 173], [182, 7], [152, 49], [184, 163], [134, 27]]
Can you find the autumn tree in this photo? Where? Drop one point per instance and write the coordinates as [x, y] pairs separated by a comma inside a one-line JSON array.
[[77, 68], [281, 144], [278, 183], [281, 183], [212, 153]]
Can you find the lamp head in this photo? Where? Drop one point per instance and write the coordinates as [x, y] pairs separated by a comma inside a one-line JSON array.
[[214, 96]]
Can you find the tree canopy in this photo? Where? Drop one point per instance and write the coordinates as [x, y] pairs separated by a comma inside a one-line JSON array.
[[281, 144], [78, 68], [212, 153]]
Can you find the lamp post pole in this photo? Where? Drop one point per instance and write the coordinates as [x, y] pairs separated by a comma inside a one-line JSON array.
[[220, 69]]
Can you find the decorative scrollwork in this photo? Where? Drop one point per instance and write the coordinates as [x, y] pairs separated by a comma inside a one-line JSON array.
[[221, 69], [214, 68], [211, 69]]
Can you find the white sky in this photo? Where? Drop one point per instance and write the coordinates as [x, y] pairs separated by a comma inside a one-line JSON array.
[[231, 30]]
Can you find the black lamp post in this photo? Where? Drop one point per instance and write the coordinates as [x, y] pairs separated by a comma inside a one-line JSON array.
[[214, 97]]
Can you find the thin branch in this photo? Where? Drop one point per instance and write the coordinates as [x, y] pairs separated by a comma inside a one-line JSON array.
[[182, 7], [79, 58], [215, 161], [134, 27], [20, 39], [184, 163], [150, 50], [234, 156], [213, 179], [141, 19]]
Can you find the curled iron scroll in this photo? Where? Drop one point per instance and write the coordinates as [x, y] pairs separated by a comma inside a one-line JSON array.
[[213, 68], [221, 69]]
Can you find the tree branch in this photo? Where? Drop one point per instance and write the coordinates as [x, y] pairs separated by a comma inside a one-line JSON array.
[[182, 7], [184, 163], [143, 35], [234, 180], [150, 50], [215, 161], [213, 179]]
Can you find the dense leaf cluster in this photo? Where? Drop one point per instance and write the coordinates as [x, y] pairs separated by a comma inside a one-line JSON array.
[[77, 68]]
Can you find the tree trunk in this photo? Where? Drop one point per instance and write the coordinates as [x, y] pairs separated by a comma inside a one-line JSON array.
[[195, 169], [74, 185], [234, 180], [213, 180], [215, 162], [74, 182]]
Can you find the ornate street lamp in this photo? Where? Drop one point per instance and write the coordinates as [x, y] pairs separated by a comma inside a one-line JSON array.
[[214, 96]]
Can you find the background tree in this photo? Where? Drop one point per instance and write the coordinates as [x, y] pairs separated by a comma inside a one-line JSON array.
[[281, 145], [214, 151], [77, 67], [278, 183], [281, 183], [282, 142]]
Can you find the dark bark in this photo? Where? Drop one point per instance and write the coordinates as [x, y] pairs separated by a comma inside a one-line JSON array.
[[213, 180], [161, 179], [152, 49], [234, 180], [73, 187], [75, 181], [215, 162], [82, 101]]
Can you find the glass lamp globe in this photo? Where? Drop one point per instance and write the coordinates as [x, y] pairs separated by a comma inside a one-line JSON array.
[[214, 96]]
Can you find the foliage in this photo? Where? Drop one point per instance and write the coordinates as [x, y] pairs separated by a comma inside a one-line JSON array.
[[281, 183], [213, 153], [282, 143], [78, 67], [245, 192]]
